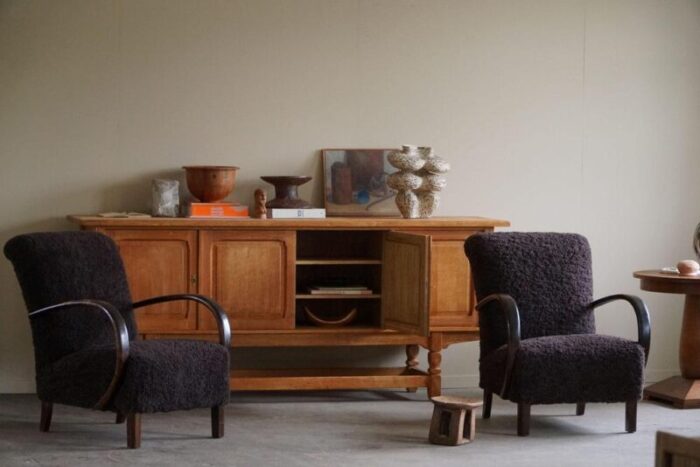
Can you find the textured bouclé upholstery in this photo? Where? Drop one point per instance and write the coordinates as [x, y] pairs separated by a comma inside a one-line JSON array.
[[165, 375], [560, 358], [74, 347]]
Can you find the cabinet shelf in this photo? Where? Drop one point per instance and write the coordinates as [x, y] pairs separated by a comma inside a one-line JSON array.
[[323, 261], [304, 296]]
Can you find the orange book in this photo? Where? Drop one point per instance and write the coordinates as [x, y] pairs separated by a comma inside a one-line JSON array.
[[216, 210]]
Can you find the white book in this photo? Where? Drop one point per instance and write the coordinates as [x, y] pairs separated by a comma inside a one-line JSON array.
[[312, 213]]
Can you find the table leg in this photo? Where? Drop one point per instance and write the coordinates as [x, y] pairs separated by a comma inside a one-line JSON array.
[[434, 360], [683, 391]]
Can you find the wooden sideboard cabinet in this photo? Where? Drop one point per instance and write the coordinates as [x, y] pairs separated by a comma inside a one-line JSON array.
[[260, 272]]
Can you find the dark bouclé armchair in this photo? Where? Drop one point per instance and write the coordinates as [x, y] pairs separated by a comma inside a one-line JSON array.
[[538, 342], [84, 332]]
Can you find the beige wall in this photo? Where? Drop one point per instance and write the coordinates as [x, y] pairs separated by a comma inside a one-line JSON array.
[[558, 115]]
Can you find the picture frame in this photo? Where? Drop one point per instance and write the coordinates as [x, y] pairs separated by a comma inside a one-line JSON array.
[[354, 183]]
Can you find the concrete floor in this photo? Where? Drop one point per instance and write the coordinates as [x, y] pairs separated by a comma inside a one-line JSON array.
[[381, 428]]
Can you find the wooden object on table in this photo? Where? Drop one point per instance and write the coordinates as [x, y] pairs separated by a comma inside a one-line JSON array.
[[676, 451], [259, 210], [682, 391], [454, 420], [287, 192], [331, 323], [260, 269], [210, 183]]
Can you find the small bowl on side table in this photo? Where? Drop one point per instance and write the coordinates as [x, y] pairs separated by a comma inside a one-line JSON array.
[[210, 183]]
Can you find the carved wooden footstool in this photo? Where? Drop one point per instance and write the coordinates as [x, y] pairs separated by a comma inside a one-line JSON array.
[[454, 420]]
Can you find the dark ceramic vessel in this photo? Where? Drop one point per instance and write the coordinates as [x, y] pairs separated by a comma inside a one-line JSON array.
[[286, 192]]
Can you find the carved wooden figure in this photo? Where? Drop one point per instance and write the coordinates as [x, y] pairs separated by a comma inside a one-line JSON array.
[[259, 210]]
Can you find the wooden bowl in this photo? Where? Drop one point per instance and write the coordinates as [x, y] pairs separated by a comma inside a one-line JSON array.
[[210, 183]]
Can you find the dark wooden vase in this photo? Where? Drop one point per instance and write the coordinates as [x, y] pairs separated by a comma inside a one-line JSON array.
[[286, 192]]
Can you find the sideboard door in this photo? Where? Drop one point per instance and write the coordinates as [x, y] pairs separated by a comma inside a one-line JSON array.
[[160, 262], [251, 274], [405, 287]]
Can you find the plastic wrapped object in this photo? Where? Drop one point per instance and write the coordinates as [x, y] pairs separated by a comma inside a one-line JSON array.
[[166, 197]]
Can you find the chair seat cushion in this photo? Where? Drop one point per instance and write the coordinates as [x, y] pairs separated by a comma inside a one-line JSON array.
[[569, 369], [165, 375]]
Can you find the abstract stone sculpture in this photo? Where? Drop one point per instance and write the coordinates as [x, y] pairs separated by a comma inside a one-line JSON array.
[[418, 180]]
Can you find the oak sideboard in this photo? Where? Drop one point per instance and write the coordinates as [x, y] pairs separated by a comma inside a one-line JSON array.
[[260, 271]]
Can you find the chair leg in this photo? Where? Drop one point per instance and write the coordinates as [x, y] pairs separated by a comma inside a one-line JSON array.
[[486, 409], [523, 419], [46, 412], [217, 421], [631, 416], [120, 418], [133, 430], [580, 408]]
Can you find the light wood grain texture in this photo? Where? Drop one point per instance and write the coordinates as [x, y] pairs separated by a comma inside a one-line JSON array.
[[331, 223], [405, 294], [676, 451], [326, 378], [160, 262], [251, 275], [683, 391]]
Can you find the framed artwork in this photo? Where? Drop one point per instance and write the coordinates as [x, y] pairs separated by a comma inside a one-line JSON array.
[[354, 182]]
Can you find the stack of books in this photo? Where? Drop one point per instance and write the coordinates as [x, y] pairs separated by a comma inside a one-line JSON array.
[[308, 213], [339, 290], [215, 210]]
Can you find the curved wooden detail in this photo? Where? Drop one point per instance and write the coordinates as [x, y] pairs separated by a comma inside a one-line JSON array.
[[331, 323]]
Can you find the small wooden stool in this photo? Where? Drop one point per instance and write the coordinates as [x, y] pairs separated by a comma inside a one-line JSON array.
[[454, 420]]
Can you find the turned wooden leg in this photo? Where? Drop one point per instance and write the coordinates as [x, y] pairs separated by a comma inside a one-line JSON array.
[[412, 352], [217, 421], [580, 408], [631, 416], [488, 400], [434, 360], [523, 419], [133, 430], [46, 412], [120, 418]]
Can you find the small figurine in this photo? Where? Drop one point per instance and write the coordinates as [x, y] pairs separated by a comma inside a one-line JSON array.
[[259, 210]]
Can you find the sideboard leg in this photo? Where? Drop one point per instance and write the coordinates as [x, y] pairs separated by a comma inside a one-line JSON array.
[[412, 352], [434, 360]]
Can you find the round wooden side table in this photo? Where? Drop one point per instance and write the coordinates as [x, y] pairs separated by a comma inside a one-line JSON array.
[[682, 391]]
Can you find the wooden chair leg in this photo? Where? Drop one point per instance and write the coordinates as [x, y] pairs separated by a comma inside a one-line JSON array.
[[486, 409], [217, 421], [133, 430], [120, 418], [580, 408], [523, 419], [631, 416], [46, 412]]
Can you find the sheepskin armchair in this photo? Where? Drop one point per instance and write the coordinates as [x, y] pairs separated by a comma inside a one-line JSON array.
[[84, 334], [537, 329]]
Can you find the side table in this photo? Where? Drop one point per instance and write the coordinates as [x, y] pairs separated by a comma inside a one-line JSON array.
[[682, 391]]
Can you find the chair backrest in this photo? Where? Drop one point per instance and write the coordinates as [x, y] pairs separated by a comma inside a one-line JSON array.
[[548, 274], [55, 267]]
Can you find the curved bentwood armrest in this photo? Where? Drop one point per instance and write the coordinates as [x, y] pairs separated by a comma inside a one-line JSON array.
[[640, 309], [506, 304], [221, 318], [121, 337]]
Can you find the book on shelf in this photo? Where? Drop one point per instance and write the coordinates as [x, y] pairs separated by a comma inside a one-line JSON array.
[[215, 210], [339, 290], [310, 213]]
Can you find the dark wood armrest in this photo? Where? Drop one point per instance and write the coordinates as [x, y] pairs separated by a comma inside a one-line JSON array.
[[640, 309], [506, 304], [216, 310], [121, 337]]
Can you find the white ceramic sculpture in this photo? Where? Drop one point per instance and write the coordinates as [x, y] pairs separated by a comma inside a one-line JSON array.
[[418, 180]]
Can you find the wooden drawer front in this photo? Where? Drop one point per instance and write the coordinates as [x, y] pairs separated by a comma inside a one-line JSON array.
[[160, 263], [251, 275], [452, 299]]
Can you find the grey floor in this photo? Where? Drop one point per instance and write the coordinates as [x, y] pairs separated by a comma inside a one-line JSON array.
[[381, 428]]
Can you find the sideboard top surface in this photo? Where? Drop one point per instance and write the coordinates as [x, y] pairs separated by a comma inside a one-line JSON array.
[[329, 223]]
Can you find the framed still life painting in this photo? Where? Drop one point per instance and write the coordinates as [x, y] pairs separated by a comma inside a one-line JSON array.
[[354, 182]]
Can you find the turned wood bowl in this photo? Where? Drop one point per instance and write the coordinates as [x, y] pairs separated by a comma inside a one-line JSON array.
[[210, 183]]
